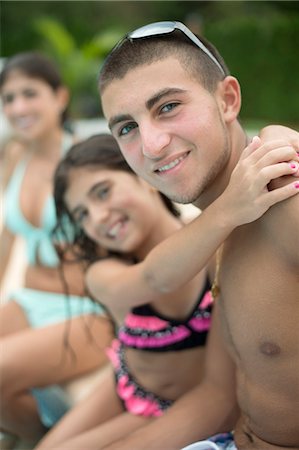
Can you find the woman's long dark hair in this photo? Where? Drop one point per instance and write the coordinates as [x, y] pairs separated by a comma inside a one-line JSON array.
[[99, 150]]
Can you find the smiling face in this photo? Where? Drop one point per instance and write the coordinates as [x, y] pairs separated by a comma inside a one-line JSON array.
[[172, 131], [31, 106], [114, 208]]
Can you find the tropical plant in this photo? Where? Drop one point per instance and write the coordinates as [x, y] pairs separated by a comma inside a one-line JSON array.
[[79, 64]]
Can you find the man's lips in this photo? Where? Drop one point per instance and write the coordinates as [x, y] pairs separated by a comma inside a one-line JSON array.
[[171, 163]]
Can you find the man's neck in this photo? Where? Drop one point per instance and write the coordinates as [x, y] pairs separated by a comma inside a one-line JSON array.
[[238, 141]]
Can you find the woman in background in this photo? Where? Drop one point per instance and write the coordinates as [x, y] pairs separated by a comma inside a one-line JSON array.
[[38, 317]]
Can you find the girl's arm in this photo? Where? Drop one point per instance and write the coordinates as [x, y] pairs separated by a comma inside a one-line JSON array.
[[179, 258]]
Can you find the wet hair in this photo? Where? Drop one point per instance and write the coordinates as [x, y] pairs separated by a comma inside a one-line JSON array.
[[144, 51], [100, 151], [34, 65]]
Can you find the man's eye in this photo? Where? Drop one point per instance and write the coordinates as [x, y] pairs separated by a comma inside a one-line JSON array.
[[127, 128], [169, 107]]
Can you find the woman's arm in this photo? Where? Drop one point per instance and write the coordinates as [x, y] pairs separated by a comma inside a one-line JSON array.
[[70, 276], [7, 240]]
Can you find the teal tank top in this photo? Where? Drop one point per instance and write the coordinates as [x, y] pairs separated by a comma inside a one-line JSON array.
[[39, 245]]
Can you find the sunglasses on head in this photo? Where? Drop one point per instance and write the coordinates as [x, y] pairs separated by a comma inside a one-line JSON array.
[[158, 28]]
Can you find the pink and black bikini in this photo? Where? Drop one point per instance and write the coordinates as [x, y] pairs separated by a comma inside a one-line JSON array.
[[147, 330]]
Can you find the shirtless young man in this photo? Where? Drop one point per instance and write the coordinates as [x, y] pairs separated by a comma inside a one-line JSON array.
[[173, 109]]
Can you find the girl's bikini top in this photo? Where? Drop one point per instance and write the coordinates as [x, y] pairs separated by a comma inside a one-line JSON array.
[[145, 329]]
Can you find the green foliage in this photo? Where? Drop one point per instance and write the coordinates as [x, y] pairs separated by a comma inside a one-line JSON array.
[[79, 64], [263, 55], [258, 39]]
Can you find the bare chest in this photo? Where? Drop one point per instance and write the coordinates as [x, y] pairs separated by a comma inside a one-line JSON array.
[[259, 299]]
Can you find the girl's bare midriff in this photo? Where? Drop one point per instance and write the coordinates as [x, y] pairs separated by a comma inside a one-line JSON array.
[[161, 374]]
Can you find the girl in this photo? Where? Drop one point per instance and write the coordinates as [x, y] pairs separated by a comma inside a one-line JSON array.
[[35, 320], [162, 320]]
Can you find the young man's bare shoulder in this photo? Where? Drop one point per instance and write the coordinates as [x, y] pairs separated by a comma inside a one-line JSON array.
[[281, 222]]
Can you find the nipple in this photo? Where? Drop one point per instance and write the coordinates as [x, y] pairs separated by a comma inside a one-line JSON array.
[[270, 349]]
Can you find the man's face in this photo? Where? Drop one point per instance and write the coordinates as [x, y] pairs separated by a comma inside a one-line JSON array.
[[170, 129]]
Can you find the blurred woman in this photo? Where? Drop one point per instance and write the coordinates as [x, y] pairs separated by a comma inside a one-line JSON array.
[[36, 321]]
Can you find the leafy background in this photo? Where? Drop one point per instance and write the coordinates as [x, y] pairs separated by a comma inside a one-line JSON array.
[[258, 39]]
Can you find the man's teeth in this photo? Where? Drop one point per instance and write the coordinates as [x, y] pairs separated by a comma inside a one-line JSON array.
[[171, 165]]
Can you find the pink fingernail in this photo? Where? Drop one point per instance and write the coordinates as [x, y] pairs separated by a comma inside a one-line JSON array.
[[296, 185], [293, 166]]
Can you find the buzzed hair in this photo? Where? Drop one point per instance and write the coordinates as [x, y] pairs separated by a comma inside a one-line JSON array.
[[139, 52]]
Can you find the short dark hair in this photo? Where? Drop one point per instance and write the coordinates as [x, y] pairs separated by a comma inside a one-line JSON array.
[[137, 52], [102, 151]]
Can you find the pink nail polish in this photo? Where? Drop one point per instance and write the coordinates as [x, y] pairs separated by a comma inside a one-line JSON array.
[[293, 166], [296, 185]]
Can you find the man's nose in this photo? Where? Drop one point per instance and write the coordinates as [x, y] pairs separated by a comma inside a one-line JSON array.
[[154, 140]]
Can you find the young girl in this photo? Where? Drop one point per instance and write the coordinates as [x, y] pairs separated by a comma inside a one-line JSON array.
[[36, 319], [162, 323]]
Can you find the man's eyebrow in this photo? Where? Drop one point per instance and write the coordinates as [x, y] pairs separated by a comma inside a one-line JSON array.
[[149, 104], [118, 119], [163, 93]]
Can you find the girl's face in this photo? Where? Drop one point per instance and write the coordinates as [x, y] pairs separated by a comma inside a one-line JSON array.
[[114, 208], [31, 106]]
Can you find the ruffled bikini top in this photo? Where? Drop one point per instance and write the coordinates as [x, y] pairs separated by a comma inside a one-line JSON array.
[[145, 329]]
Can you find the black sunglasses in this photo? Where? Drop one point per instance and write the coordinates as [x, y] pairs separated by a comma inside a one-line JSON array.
[[157, 28]]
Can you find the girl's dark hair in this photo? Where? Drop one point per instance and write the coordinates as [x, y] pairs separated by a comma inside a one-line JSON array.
[[98, 150], [34, 65]]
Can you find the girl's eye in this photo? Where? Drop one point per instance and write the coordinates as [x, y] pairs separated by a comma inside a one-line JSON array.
[[103, 192], [30, 93], [127, 128], [27, 93], [7, 98], [169, 107], [80, 216]]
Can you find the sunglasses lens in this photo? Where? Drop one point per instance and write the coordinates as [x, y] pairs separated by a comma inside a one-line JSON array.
[[152, 29], [158, 28]]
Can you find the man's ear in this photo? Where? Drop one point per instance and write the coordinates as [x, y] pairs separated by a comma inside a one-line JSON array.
[[230, 98]]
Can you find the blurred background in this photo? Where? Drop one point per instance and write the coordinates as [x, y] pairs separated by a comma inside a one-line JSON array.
[[258, 39]]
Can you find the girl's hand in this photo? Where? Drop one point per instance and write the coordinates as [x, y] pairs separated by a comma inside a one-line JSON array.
[[247, 196]]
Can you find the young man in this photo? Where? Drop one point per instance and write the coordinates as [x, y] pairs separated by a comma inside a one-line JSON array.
[[173, 108]]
